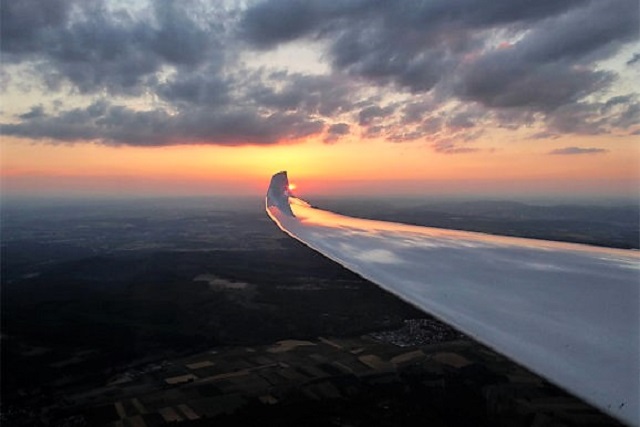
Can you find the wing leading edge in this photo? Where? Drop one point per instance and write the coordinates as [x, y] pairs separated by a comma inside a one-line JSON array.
[[568, 312]]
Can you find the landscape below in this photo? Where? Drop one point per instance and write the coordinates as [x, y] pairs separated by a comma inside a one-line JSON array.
[[149, 312]]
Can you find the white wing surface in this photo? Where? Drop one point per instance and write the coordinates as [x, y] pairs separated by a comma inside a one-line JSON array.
[[568, 312]]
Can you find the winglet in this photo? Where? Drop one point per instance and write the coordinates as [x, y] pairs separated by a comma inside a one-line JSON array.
[[278, 193]]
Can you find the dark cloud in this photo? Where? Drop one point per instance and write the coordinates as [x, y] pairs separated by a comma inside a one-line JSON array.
[[36, 112], [268, 23], [115, 125], [514, 118], [371, 114], [381, 58], [451, 147], [577, 150], [416, 44], [500, 81], [634, 59], [564, 37], [545, 69], [22, 23], [405, 135], [479, 13], [431, 125], [206, 89], [95, 48], [438, 70], [465, 119], [275, 21], [415, 112], [178, 38], [376, 131], [311, 94], [440, 45], [620, 112], [336, 131]]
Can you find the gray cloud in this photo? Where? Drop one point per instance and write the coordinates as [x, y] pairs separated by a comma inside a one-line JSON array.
[[178, 38], [620, 112], [577, 150], [440, 47], [205, 89], [456, 66], [371, 114], [416, 44], [382, 58], [634, 59], [500, 81], [451, 147], [313, 95], [95, 48], [36, 112], [336, 131], [269, 23], [540, 73], [415, 112], [275, 21], [22, 23], [465, 119], [114, 125]]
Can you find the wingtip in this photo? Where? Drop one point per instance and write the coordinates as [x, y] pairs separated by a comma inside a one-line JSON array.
[[278, 193]]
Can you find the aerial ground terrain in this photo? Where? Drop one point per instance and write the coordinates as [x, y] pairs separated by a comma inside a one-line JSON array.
[[201, 312]]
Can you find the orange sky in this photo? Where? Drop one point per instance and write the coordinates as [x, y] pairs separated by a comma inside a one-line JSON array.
[[429, 99], [354, 167]]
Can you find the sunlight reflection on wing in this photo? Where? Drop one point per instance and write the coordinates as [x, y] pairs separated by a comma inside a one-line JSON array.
[[567, 311]]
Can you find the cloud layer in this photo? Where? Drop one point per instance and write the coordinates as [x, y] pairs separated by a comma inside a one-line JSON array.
[[568, 151], [440, 71]]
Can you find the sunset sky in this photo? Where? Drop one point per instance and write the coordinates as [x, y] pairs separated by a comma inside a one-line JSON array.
[[360, 97]]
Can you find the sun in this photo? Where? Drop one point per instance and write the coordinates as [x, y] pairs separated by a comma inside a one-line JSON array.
[[291, 187]]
